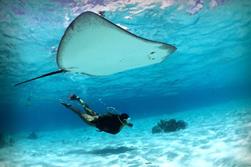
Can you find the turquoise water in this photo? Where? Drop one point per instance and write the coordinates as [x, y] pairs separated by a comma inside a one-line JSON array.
[[206, 83]]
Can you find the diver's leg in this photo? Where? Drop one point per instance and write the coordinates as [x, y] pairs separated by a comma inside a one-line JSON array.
[[87, 109], [88, 118], [90, 111], [75, 110]]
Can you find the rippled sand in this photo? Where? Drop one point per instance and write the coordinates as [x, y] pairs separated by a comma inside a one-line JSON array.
[[216, 136]]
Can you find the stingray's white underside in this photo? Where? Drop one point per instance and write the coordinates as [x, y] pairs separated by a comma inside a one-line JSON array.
[[95, 46]]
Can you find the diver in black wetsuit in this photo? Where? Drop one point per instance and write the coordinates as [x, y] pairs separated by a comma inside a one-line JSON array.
[[111, 123]]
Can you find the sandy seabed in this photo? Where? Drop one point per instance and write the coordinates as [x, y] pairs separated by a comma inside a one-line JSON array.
[[216, 136]]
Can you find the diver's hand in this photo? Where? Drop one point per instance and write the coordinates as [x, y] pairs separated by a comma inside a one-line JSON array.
[[130, 125]]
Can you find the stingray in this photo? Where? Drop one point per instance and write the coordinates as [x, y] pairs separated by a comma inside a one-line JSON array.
[[94, 46]]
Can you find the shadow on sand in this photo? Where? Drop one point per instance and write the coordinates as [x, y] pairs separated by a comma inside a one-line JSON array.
[[104, 151]]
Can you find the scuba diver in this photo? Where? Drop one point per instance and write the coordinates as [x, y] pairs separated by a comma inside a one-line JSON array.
[[110, 122]]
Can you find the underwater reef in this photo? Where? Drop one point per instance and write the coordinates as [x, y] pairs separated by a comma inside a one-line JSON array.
[[2, 140], [167, 126], [32, 136], [6, 141]]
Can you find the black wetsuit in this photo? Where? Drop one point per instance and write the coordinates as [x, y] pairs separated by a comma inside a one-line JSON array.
[[109, 123]]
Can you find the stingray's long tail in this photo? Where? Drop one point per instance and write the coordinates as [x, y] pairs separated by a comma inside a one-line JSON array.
[[45, 75]]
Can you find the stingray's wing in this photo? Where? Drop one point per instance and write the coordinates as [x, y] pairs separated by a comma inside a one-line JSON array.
[[96, 46]]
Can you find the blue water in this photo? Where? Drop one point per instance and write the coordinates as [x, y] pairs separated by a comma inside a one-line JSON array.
[[210, 67]]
